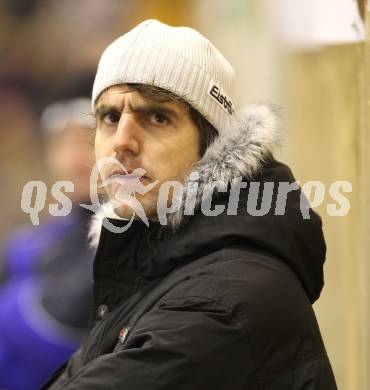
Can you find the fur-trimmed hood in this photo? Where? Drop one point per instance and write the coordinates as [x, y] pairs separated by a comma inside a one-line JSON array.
[[239, 150]]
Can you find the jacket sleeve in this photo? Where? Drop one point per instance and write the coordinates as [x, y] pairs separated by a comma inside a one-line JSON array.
[[191, 343]]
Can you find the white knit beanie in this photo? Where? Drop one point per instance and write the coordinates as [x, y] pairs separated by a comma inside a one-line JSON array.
[[178, 59]]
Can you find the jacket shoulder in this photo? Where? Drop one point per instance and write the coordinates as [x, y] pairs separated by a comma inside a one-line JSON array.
[[266, 298]]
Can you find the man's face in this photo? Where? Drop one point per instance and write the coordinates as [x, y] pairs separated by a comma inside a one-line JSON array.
[[159, 137]]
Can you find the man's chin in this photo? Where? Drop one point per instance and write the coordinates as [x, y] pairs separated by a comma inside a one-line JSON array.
[[126, 212]]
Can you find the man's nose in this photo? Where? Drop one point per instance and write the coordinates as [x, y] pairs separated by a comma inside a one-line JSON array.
[[126, 139]]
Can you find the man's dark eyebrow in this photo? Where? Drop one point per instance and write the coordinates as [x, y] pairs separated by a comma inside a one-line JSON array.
[[147, 108], [150, 108], [105, 109]]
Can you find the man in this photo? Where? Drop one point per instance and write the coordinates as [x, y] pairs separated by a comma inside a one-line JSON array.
[[214, 292], [45, 286]]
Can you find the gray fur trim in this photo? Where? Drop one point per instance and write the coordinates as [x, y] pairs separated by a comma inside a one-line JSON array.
[[240, 151]]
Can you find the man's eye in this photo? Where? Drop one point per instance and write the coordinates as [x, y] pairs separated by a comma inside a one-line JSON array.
[[159, 118], [111, 117]]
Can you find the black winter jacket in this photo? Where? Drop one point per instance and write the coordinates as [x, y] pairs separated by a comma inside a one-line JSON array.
[[223, 302]]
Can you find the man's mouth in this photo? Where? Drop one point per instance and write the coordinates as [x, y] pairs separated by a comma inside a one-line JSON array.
[[123, 176]]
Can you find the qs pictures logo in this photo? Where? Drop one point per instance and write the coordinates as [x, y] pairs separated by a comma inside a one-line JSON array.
[[260, 197]]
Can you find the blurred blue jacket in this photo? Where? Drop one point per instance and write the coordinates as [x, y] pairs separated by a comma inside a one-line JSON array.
[[45, 299]]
